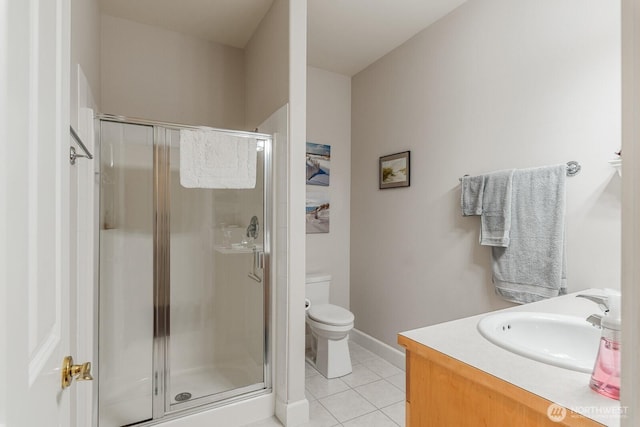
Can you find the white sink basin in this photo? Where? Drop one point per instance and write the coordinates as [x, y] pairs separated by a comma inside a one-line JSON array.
[[566, 341]]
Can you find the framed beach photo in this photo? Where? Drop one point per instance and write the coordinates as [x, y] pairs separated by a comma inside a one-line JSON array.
[[318, 209], [318, 164], [394, 170]]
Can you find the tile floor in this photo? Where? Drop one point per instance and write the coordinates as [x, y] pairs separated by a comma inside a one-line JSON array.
[[371, 396]]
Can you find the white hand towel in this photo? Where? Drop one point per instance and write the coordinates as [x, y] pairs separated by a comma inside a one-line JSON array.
[[211, 159]]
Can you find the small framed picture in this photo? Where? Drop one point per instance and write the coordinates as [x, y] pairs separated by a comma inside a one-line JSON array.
[[394, 170]]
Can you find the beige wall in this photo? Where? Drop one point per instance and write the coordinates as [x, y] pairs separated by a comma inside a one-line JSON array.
[[85, 47], [329, 122], [267, 65], [494, 85], [157, 74]]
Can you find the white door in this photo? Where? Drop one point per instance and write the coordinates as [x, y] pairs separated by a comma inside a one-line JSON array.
[[34, 212]]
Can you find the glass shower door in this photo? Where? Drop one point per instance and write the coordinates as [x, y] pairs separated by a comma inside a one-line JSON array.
[[216, 332], [183, 289]]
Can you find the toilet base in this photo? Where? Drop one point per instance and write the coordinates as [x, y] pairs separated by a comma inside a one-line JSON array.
[[332, 358]]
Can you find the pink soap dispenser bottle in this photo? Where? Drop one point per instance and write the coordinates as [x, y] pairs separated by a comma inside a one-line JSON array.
[[605, 378]]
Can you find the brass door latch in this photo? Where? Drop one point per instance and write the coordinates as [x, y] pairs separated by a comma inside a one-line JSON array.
[[71, 371]]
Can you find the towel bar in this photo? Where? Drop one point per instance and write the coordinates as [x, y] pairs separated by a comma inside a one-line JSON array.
[[573, 168], [73, 155]]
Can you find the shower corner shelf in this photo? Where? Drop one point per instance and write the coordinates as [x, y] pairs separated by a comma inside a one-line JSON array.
[[239, 250]]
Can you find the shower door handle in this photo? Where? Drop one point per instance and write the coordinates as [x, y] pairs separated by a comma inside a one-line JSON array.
[[258, 259], [258, 263]]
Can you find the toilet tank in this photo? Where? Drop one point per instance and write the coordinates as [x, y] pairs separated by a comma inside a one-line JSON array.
[[317, 288]]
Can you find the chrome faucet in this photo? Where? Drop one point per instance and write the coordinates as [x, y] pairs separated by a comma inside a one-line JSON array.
[[603, 303]]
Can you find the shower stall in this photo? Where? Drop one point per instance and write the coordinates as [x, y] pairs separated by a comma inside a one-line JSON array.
[[184, 289]]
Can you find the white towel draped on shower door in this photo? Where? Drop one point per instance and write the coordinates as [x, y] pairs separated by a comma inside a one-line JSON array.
[[212, 159]]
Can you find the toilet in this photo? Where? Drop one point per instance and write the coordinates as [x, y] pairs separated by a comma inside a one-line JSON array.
[[329, 326]]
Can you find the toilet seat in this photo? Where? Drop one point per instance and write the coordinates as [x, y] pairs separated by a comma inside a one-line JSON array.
[[330, 314]]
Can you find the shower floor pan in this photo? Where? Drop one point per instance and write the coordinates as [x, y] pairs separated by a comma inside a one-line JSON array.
[[122, 410], [207, 381]]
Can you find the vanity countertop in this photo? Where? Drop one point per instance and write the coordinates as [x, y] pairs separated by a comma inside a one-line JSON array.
[[461, 340]]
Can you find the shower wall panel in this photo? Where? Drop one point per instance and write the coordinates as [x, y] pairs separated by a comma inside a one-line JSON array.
[[126, 274]]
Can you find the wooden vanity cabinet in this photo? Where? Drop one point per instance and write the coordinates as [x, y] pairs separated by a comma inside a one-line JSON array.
[[442, 391]]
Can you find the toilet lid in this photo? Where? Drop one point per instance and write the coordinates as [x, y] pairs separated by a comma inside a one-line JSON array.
[[330, 314]]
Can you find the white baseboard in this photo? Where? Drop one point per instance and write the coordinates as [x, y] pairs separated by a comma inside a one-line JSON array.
[[293, 414], [388, 353]]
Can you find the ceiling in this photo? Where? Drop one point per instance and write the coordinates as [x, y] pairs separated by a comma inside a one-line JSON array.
[[344, 36], [228, 22]]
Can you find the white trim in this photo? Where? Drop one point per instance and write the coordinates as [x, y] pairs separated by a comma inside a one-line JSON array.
[[4, 179], [388, 353], [293, 414], [296, 200], [277, 125], [32, 181], [86, 262]]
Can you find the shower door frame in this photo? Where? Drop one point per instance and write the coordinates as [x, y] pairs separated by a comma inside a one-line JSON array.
[[162, 408]]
